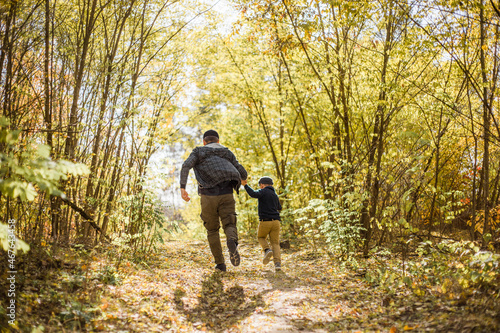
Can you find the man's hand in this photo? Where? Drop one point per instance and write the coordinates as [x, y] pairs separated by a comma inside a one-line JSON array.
[[243, 182], [185, 195]]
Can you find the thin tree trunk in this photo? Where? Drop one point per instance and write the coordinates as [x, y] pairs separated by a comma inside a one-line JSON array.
[[369, 209], [69, 149], [6, 38], [474, 170], [109, 66], [486, 124]]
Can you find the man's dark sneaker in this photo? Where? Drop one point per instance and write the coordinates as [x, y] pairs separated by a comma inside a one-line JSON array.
[[234, 256], [277, 266], [221, 267], [268, 253]]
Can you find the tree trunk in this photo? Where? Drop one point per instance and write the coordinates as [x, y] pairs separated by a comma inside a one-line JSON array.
[[486, 124], [81, 60], [369, 209]]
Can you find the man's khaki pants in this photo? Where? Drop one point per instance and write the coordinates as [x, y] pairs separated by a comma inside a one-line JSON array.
[[271, 228], [214, 208]]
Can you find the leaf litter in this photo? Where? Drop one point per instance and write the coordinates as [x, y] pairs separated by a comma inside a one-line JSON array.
[[177, 290]]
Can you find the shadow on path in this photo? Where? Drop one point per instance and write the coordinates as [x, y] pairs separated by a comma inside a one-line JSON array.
[[218, 308]]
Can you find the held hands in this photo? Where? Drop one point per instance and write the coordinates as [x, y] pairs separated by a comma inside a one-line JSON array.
[[243, 182], [185, 195]]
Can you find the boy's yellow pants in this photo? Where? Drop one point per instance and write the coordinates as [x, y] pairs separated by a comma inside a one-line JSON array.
[[271, 228]]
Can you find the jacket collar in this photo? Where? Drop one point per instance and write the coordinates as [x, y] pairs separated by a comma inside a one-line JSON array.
[[214, 145]]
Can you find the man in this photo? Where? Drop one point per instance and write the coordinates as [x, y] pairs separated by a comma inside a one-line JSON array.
[[218, 173]]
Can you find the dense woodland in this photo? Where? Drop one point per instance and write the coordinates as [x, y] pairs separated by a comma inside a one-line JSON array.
[[378, 120]]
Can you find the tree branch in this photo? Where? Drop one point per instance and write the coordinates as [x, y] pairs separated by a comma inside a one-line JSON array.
[[85, 215], [495, 8]]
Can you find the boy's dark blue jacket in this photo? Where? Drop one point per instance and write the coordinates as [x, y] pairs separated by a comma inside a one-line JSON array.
[[269, 204]]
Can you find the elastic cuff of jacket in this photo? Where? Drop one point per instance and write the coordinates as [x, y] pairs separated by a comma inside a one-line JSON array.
[[183, 186]]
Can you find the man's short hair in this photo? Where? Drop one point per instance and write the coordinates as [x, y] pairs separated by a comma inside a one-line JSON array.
[[211, 133], [210, 139], [266, 181]]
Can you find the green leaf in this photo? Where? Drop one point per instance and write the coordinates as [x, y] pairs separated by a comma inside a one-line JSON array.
[[4, 122], [44, 151], [407, 280], [6, 236]]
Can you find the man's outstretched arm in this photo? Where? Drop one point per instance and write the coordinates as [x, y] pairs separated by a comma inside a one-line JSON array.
[[188, 164]]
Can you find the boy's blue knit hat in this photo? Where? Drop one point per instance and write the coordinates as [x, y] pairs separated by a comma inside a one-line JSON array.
[[266, 180]]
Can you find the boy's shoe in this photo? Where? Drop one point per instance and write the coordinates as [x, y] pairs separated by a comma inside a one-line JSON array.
[[277, 266], [234, 256], [268, 253], [221, 267]]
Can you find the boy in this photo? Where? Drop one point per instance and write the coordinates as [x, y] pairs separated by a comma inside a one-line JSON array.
[[269, 216]]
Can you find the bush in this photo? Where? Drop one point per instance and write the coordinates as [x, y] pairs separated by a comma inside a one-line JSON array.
[[448, 268], [25, 168], [452, 263], [141, 222], [337, 222]]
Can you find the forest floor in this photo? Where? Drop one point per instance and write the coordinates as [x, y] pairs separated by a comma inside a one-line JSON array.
[[178, 290]]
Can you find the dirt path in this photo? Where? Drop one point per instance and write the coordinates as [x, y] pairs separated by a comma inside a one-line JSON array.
[[179, 291]]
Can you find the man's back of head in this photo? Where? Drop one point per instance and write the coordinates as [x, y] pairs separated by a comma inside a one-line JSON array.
[[210, 136]]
